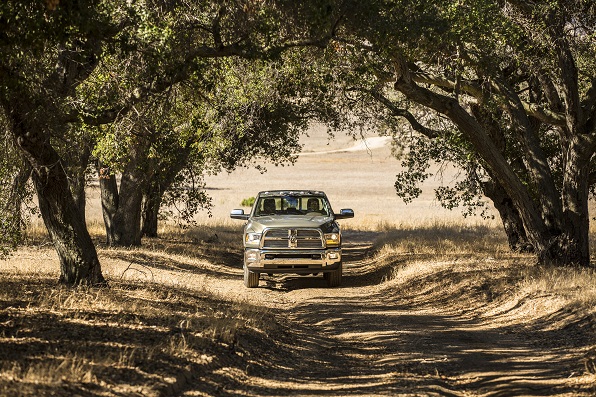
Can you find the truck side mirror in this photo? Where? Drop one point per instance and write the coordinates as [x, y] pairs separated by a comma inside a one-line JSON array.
[[239, 214], [345, 214]]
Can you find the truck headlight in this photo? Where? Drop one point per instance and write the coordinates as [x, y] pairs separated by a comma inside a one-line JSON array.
[[252, 238], [332, 239]]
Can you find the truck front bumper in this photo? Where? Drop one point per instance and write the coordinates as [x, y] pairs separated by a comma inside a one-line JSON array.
[[292, 261]]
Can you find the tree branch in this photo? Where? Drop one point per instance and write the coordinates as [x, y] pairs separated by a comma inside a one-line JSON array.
[[482, 143], [399, 112], [475, 90]]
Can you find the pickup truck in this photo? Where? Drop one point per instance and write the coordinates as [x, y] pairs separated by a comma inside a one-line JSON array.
[[292, 231]]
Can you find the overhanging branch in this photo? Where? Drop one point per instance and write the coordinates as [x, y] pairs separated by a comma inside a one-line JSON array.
[[470, 88], [400, 112]]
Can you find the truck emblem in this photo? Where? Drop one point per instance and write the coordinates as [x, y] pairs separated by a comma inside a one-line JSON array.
[[293, 235]]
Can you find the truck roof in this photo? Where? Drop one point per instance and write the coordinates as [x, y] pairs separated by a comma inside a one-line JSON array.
[[292, 193]]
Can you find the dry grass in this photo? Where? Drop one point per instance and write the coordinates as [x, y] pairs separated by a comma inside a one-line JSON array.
[[475, 262], [130, 339], [155, 322], [163, 316], [470, 272]]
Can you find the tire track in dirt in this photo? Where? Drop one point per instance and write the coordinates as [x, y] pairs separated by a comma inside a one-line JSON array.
[[366, 340]]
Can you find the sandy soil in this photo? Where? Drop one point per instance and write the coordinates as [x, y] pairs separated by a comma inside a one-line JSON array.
[[368, 339]]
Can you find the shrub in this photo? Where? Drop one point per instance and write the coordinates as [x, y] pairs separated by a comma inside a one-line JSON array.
[[248, 202]]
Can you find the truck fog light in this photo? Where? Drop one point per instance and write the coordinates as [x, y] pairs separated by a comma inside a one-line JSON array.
[[333, 255], [251, 256]]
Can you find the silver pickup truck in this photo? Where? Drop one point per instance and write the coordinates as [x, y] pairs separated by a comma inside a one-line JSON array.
[[292, 231]]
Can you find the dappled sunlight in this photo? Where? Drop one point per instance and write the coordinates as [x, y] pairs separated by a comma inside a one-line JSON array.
[[445, 311], [128, 339]]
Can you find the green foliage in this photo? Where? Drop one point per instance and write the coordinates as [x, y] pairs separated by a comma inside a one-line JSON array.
[[447, 150], [122, 78], [248, 202], [489, 57], [15, 194], [184, 199]]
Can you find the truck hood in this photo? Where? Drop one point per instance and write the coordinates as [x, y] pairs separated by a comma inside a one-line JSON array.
[[257, 225]]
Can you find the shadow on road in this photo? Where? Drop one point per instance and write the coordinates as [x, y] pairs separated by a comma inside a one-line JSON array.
[[365, 346], [362, 339]]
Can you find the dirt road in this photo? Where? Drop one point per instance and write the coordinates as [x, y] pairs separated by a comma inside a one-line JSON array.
[[364, 339]]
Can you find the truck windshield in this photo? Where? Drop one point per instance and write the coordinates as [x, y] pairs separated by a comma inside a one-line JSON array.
[[292, 205]]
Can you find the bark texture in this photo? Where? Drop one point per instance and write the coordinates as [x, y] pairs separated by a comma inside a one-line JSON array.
[[555, 222], [512, 222], [159, 182], [79, 263], [121, 206]]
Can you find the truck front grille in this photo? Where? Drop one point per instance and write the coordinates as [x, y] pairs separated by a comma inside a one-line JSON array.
[[293, 239]]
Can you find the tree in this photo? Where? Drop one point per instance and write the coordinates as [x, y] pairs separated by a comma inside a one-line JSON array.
[[239, 111], [14, 193], [517, 81], [51, 50]]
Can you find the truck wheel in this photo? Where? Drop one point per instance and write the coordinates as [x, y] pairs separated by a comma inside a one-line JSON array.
[[251, 279], [334, 278]]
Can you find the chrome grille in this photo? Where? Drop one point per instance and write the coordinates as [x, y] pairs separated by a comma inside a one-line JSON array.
[[292, 238]]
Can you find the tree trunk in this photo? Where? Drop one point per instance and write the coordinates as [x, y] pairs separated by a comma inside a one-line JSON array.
[[535, 228], [17, 194], [512, 222], [537, 231], [568, 244], [151, 204], [78, 181], [536, 161], [127, 220], [78, 259], [108, 189], [510, 218], [122, 207], [573, 246], [160, 181]]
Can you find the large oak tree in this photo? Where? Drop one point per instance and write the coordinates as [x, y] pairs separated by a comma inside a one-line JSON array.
[[51, 49], [517, 81]]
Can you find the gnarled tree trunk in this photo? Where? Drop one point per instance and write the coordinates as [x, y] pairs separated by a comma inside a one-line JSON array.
[[108, 188], [567, 242], [152, 197], [78, 181], [79, 263], [159, 182], [121, 207], [573, 244], [512, 222]]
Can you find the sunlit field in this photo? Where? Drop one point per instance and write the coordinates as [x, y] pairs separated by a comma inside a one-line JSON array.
[[177, 320], [360, 179]]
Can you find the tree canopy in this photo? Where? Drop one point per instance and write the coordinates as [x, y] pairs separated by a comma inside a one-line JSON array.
[[159, 91], [514, 84], [71, 66]]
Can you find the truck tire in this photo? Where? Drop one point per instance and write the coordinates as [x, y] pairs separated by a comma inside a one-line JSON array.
[[334, 278], [251, 279]]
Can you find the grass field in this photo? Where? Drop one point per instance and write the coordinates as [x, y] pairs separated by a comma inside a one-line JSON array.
[[432, 304], [362, 180]]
